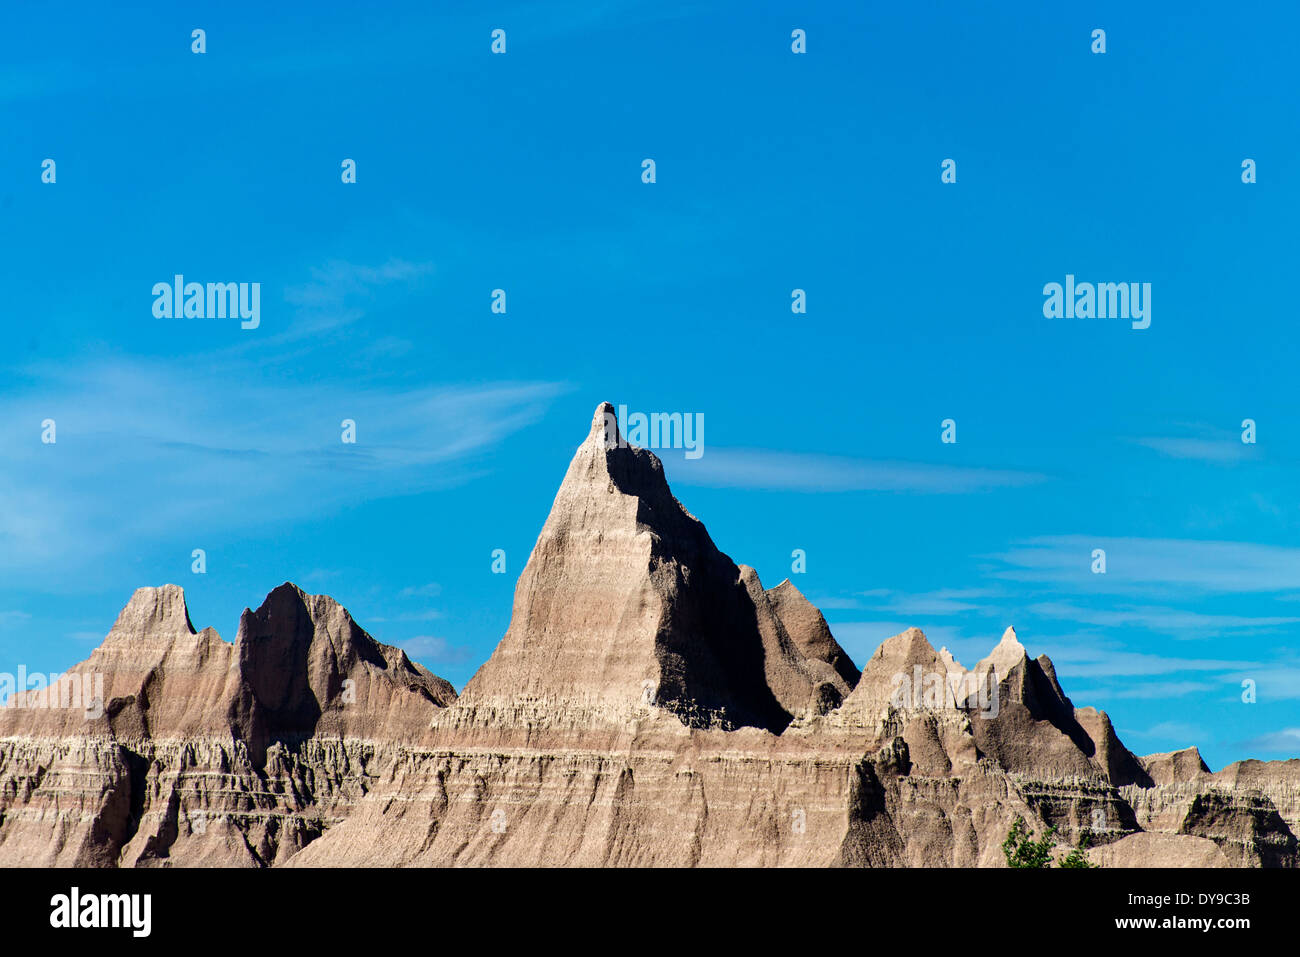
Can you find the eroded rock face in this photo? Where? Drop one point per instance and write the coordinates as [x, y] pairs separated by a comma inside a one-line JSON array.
[[1279, 781], [810, 633], [650, 704], [1175, 767], [1159, 850], [625, 600], [1039, 731], [203, 752], [306, 669]]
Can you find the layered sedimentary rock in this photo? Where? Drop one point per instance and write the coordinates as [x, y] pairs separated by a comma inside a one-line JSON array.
[[651, 704], [204, 752], [1279, 781], [625, 600], [810, 633]]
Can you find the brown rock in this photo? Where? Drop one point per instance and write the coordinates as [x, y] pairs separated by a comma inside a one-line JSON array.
[[809, 631], [1159, 850], [625, 601], [202, 752], [650, 704], [1175, 767]]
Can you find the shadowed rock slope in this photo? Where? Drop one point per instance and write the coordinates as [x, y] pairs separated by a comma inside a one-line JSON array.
[[191, 750], [650, 704], [626, 601]]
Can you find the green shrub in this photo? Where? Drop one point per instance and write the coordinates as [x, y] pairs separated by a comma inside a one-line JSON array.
[[1023, 851], [1077, 857]]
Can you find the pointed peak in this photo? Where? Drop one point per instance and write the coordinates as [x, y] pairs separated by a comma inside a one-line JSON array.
[[710, 651], [787, 595], [1009, 647], [291, 592], [786, 589], [604, 422], [951, 662], [807, 627], [1007, 654], [906, 643], [281, 596], [1172, 767], [295, 600], [606, 461], [160, 610], [1049, 670], [1191, 752]]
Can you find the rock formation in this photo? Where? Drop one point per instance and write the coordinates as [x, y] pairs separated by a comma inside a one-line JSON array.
[[650, 704], [203, 752], [626, 601]]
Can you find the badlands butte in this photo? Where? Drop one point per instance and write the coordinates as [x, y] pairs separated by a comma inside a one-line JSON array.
[[651, 704]]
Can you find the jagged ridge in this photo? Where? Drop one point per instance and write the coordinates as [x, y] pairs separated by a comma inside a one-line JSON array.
[[650, 703]]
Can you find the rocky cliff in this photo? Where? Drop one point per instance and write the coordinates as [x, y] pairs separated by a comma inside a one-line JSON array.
[[650, 704], [203, 752]]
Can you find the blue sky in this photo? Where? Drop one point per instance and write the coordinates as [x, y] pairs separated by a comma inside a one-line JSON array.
[[775, 171]]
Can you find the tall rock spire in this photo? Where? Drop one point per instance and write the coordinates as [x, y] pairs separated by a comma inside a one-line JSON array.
[[626, 602]]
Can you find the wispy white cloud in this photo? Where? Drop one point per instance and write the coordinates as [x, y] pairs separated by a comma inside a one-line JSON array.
[[426, 614], [933, 604], [835, 603], [1132, 563], [1284, 741], [1182, 731], [802, 472], [1273, 682], [1175, 621], [1156, 690], [1221, 449], [1089, 657], [334, 282], [338, 294], [433, 649], [430, 590], [148, 449]]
